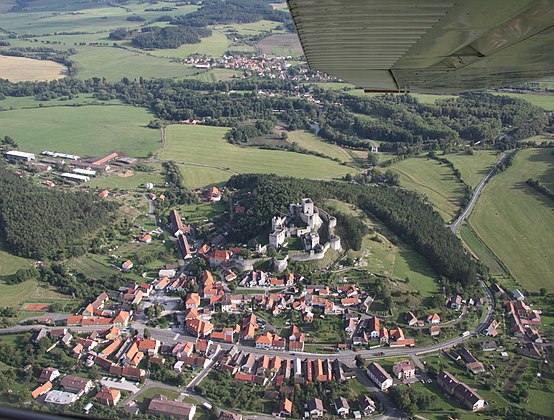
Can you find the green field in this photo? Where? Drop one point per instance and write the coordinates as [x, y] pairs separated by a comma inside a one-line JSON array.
[[10, 263], [213, 46], [480, 250], [85, 131], [410, 264], [544, 101], [517, 223], [15, 294], [116, 63], [25, 102], [311, 142], [199, 176], [473, 167], [435, 181], [206, 145]]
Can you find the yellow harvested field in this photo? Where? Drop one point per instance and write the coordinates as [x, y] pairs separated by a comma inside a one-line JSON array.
[[22, 69]]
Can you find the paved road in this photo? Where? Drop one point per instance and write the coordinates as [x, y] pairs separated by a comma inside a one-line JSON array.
[[456, 224]]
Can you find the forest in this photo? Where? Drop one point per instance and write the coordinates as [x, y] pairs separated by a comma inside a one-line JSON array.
[[169, 37], [215, 12], [488, 121], [40, 223], [404, 212]]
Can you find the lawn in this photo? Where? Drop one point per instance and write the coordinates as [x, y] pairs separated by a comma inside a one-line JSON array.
[[473, 167], [206, 145], [517, 222], [435, 181], [85, 131], [481, 251], [314, 143]]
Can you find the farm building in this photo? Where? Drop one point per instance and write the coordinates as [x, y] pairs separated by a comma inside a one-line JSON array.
[[17, 155], [75, 177], [86, 172]]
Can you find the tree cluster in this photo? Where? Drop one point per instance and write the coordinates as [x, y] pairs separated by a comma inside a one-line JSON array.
[[169, 37], [41, 223]]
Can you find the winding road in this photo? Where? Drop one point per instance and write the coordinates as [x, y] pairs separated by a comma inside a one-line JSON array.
[[456, 224]]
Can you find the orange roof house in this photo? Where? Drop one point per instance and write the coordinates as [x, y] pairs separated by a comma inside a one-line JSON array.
[[198, 327], [193, 301], [109, 397], [43, 389], [122, 319], [127, 265], [103, 193], [113, 346], [207, 277]]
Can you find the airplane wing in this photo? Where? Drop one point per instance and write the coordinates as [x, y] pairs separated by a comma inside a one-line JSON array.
[[427, 45]]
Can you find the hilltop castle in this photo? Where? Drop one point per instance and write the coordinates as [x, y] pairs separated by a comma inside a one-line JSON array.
[[304, 221]]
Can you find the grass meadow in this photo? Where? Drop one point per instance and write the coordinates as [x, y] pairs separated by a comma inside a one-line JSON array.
[[473, 167], [207, 146], [480, 249], [85, 131], [311, 142], [22, 69], [435, 181], [10, 263], [517, 222]]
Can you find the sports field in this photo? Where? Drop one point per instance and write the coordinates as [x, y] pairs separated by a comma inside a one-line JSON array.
[[22, 69], [311, 142], [434, 180], [84, 131], [517, 223], [206, 145], [473, 167]]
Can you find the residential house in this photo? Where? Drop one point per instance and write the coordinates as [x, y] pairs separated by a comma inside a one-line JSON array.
[[285, 408], [460, 391], [491, 330], [76, 384], [379, 375], [109, 397], [411, 319], [162, 406], [42, 389], [489, 346], [367, 405], [342, 407], [455, 302], [434, 319], [404, 369], [314, 408], [434, 330], [127, 265], [198, 327], [517, 295], [192, 301], [149, 346], [48, 375]]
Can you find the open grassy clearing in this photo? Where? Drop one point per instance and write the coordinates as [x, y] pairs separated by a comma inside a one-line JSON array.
[[252, 28], [22, 69], [199, 176], [435, 181], [544, 101], [206, 145], [473, 167], [86, 130], [10, 263], [116, 63], [25, 102], [15, 294], [517, 222], [480, 250], [310, 141], [387, 259], [215, 75]]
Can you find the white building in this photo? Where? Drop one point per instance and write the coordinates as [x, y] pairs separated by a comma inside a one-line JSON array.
[[379, 375], [87, 172], [404, 369], [61, 397], [17, 155], [75, 177]]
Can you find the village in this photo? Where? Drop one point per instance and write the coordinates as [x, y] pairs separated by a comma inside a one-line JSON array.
[[262, 328]]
